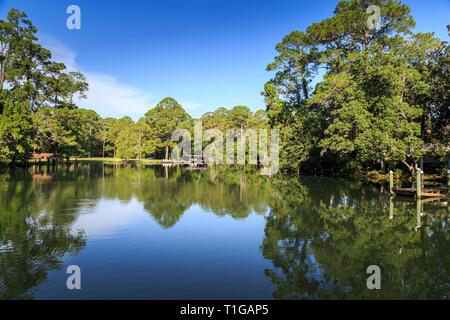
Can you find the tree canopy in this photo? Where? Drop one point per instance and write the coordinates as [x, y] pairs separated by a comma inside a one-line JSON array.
[[381, 92], [165, 118], [346, 95]]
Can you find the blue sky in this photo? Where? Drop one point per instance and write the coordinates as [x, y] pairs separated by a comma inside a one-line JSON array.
[[204, 53]]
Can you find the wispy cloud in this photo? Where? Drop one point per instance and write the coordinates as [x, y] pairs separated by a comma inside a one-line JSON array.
[[108, 95], [191, 106]]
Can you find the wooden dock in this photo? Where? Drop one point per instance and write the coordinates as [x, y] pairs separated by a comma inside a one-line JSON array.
[[420, 190], [189, 160], [425, 192]]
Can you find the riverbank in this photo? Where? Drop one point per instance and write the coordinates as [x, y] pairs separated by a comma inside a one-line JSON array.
[[97, 159], [118, 160], [373, 177]]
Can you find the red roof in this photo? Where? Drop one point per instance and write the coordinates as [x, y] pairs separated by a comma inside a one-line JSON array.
[[42, 155]]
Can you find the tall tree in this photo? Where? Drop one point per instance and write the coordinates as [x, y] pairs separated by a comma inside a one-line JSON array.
[[15, 129], [146, 139], [30, 80], [383, 93], [164, 119]]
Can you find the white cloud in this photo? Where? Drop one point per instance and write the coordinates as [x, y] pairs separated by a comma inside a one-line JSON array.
[[107, 95], [191, 106]]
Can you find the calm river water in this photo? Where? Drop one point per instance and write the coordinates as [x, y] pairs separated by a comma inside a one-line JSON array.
[[149, 232]]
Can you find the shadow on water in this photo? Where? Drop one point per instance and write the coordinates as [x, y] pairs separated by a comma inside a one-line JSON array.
[[320, 235]]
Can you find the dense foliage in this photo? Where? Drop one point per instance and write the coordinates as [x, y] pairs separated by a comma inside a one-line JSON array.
[[346, 98], [38, 112], [383, 92]]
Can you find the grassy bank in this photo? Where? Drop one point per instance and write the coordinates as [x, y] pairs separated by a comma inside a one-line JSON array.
[[98, 159], [117, 160]]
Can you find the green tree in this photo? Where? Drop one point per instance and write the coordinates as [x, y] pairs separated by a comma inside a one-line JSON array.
[[146, 139], [87, 133], [126, 143], [117, 127], [15, 129], [164, 119], [383, 94], [56, 132], [30, 80], [239, 116]]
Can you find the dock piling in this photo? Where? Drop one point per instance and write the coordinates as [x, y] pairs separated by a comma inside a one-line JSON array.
[[391, 182], [448, 181], [391, 207], [419, 211], [419, 184]]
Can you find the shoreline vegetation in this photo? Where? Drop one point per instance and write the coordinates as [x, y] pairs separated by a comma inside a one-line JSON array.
[[73, 160], [370, 176], [380, 95]]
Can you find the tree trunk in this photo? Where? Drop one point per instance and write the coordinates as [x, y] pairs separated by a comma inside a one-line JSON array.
[[140, 147], [383, 166], [412, 168], [2, 80], [305, 88], [366, 41], [90, 138], [167, 153]]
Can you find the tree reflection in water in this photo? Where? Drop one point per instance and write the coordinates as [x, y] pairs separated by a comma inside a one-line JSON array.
[[322, 234], [35, 233]]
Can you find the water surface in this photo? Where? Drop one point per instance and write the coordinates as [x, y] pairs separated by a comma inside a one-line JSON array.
[[148, 232]]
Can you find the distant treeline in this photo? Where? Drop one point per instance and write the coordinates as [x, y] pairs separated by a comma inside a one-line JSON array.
[[38, 113], [382, 93], [78, 132]]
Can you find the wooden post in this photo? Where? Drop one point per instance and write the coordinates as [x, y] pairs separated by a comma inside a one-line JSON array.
[[419, 211], [391, 182], [422, 175], [448, 187], [391, 208], [419, 184], [448, 181]]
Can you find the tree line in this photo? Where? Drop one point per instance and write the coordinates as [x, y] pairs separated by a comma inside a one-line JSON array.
[[30, 81], [346, 97], [38, 113], [83, 133]]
